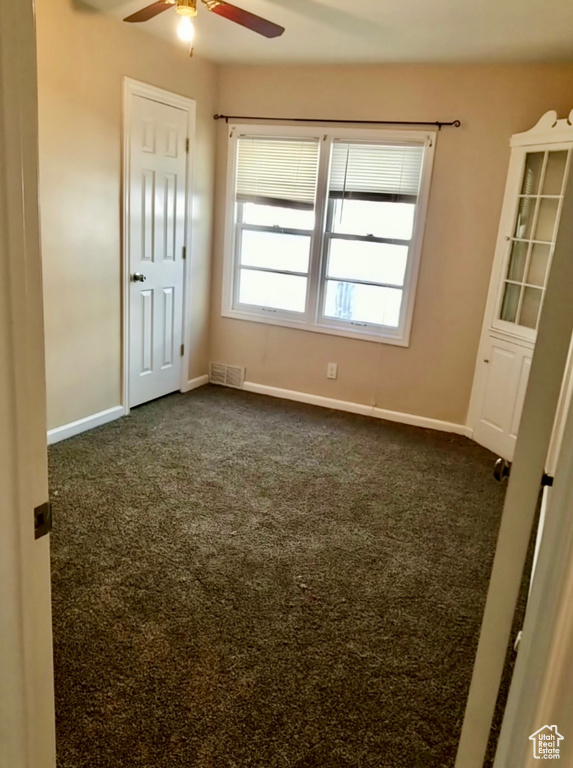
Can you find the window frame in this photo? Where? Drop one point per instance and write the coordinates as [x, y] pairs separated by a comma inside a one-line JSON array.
[[312, 320]]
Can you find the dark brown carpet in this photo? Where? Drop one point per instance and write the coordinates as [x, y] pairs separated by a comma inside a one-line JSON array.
[[245, 582]]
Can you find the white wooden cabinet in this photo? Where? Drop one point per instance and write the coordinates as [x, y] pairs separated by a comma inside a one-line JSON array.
[[539, 167]]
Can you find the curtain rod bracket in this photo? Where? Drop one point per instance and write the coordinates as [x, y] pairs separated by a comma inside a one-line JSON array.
[[439, 124]]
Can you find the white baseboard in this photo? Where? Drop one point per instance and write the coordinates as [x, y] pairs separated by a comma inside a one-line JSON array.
[[82, 425], [364, 410], [200, 381], [104, 417]]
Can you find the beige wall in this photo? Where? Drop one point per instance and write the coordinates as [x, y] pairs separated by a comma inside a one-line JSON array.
[[82, 57], [433, 376]]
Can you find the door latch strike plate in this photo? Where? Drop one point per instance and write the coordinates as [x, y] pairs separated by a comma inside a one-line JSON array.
[[42, 520]]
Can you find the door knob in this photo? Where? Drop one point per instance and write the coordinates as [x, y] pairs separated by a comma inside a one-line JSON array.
[[137, 277]]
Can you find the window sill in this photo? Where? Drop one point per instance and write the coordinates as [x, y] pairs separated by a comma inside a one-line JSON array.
[[303, 325]]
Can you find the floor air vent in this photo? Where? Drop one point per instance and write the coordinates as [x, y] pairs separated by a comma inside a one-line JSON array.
[[226, 375]]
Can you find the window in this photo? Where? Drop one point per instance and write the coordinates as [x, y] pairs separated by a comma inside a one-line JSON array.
[[324, 231]]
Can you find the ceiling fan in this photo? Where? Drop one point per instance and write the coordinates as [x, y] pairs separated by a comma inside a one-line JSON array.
[[187, 9]]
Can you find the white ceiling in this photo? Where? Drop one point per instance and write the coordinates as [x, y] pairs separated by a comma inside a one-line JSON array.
[[384, 31]]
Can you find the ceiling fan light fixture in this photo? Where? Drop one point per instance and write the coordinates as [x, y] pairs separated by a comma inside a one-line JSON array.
[[187, 8]]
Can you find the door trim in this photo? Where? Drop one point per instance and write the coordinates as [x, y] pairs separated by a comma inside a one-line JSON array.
[[136, 88], [537, 688], [27, 721]]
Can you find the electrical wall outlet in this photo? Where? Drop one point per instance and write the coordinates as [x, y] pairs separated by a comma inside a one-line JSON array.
[[332, 371]]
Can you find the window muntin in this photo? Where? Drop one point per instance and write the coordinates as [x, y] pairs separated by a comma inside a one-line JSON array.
[[278, 216], [348, 257], [533, 239]]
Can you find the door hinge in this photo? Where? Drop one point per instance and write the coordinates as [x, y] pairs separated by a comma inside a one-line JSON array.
[[184, 252], [182, 350], [42, 520], [187, 145]]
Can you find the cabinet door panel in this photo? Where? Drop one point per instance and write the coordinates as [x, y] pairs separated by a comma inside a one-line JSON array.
[[505, 381]]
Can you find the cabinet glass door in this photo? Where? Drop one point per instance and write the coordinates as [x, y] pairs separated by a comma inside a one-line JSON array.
[[533, 238]]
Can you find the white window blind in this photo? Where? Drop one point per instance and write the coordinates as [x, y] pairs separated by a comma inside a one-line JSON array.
[[375, 172], [277, 171]]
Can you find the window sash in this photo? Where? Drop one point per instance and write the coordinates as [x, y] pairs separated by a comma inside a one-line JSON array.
[[365, 238], [238, 265], [359, 281], [275, 230], [328, 236], [373, 328]]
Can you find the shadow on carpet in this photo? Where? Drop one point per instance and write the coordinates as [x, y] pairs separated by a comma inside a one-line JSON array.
[[245, 582]]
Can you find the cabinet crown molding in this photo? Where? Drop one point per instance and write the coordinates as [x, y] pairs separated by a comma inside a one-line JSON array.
[[549, 129]]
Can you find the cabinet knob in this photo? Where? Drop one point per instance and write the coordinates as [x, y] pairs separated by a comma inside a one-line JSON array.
[[485, 360], [501, 470]]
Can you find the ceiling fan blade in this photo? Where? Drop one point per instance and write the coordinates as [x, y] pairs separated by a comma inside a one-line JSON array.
[[152, 10], [244, 18]]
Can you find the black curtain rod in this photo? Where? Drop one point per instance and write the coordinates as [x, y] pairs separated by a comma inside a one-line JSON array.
[[437, 123]]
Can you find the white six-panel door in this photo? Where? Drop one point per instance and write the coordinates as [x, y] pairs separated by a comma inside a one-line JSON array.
[[158, 136]]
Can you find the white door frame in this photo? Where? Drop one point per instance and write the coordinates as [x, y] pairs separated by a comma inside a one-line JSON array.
[[135, 88], [533, 442], [541, 680], [27, 727]]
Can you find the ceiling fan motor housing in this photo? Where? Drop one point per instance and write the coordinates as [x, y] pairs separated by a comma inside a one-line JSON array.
[[187, 7]]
